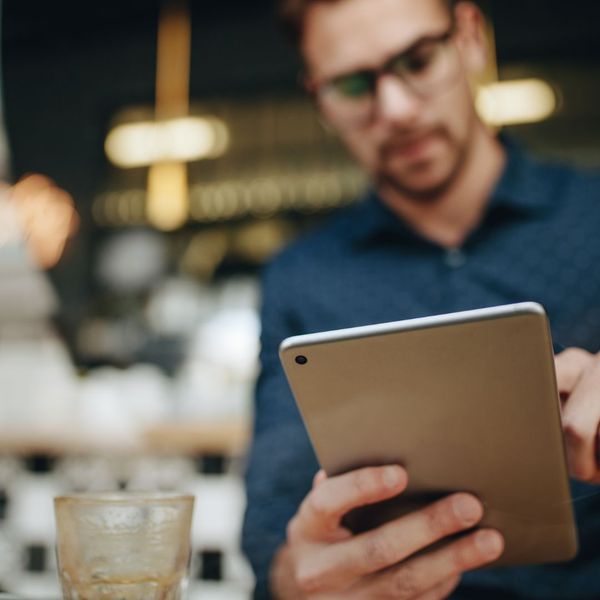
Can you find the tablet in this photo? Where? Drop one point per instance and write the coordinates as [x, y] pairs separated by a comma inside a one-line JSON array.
[[465, 401]]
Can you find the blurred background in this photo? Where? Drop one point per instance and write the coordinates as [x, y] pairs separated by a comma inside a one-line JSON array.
[[155, 153]]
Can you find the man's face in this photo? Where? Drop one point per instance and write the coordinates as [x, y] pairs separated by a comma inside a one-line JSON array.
[[416, 143]]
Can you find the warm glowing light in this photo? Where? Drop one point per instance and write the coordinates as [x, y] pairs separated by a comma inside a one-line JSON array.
[[225, 199], [184, 139], [167, 205], [516, 102], [47, 217]]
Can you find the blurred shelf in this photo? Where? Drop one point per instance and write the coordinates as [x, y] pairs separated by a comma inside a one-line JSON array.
[[228, 438]]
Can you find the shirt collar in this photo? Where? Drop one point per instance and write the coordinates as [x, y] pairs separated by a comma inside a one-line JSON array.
[[525, 187]]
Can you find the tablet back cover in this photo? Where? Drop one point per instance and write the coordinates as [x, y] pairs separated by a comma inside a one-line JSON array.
[[467, 405]]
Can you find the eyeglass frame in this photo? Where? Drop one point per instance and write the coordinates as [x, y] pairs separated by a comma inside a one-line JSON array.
[[316, 89]]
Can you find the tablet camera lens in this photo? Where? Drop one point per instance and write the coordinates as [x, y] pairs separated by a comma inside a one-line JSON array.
[[301, 360]]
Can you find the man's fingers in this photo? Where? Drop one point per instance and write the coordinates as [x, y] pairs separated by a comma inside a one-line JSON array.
[[417, 575], [397, 540], [319, 477], [324, 507], [580, 419], [570, 365]]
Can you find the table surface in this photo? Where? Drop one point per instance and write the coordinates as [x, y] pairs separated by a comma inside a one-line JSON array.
[[229, 438]]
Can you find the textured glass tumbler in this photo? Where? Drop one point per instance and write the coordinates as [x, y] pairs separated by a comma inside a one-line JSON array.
[[123, 546]]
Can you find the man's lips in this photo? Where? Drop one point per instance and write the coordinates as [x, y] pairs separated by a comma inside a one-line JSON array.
[[414, 147]]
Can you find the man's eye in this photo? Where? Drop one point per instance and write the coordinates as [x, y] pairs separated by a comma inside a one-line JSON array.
[[420, 59], [353, 86]]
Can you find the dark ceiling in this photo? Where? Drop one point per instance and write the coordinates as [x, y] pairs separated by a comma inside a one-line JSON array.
[[526, 29], [237, 48], [549, 29]]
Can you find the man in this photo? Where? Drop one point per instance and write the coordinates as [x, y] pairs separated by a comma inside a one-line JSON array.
[[458, 219]]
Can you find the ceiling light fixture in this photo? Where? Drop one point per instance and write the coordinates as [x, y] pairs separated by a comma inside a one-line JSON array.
[[516, 102], [182, 139]]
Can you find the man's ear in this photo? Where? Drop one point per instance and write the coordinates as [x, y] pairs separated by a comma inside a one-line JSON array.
[[471, 37]]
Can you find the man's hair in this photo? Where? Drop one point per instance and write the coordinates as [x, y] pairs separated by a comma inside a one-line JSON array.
[[292, 13]]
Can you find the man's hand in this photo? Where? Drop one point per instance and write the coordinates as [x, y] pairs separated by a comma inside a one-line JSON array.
[[324, 560], [578, 376]]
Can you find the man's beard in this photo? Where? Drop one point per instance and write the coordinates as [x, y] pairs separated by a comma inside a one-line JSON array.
[[400, 182], [428, 195]]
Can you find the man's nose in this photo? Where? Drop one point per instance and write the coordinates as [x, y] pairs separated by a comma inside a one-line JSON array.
[[395, 101]]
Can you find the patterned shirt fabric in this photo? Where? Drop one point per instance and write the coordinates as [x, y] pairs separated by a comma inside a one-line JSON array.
[[539, 240]]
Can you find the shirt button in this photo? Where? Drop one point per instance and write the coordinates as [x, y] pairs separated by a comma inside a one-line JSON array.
[[455, 258]]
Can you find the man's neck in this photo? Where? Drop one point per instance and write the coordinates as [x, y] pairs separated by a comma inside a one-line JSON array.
[[448, 219]]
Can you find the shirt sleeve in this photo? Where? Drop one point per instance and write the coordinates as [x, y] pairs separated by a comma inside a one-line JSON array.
[[281, 463]]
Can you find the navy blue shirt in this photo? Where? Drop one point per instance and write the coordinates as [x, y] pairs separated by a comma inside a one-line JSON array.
[[538, 240]]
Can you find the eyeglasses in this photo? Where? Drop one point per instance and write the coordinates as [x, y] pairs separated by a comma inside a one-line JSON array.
[[426, 68]]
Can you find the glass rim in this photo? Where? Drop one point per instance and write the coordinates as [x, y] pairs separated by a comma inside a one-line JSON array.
[[123, 497]]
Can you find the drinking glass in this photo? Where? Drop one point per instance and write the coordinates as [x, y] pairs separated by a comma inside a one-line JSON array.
[[123, 546]]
